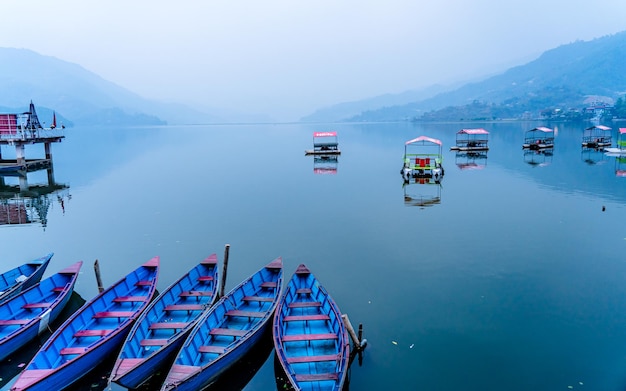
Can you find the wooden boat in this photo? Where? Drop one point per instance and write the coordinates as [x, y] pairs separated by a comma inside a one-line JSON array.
[[310, 338], [227, 331], [597, 136], [91, 334], [471, 140], [22, 277], [25, 316], [161, 330], [422, 159], [539, 138]]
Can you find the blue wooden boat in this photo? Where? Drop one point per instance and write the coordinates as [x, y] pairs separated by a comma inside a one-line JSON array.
[[22, 277], [310, 338], [227, 331], [90, 335], [25, 316], [161, 330]]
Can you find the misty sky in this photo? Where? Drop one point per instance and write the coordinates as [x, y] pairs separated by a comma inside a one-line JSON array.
[[288, 57]]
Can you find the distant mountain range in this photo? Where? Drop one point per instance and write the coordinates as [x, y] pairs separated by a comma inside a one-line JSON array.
[[563, 77], [82, 97]]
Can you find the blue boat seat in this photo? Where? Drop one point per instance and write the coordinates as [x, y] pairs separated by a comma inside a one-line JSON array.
[[228, 332], [258, 298], [184, 307], [168, 325], [297, 318], [36, 305], [308, 337], [304, 304], [12, 322], [70, 351], [246, 314], [305, 359], [212, 349], [129, 299], [317, 377], [153, 342], [92, 333]]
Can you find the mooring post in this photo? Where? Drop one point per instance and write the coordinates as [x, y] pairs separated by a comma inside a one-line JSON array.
[[360, 332], [96, 268], [224, 271], [19, 154], [355, 339]]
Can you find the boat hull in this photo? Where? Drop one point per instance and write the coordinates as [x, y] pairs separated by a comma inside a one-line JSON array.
[[227, 331], [30, 274], [91, 334], [310, 338], [40, 304], [147, 349]]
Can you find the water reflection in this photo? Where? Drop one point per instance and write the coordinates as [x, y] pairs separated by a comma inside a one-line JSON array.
[[593, 156], [325, 164], [620, 166], [538, 158], [422, 192], [471, 160], [24, 203]]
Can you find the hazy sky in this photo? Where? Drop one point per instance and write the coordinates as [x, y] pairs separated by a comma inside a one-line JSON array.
[[289, 57]]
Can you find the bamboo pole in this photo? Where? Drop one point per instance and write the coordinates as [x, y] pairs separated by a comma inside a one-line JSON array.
[[224, 271], [96, 268], [355, 339]]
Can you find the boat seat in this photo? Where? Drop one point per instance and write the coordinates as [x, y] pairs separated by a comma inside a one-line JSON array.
[[36, 305], [308, 337], [195, 293], [248, 314], [143, 283], [58, 289], [184, 307], [168, 325], [300, 318], [317, 377], [304, 304], [304, 359], [114, 314], [303, 291], [68, 351], [129, 299], [258, 298], [11, 322], [92, 333], [228, 332], [269, 284], [153, 342], [205, 278], [212, 349]]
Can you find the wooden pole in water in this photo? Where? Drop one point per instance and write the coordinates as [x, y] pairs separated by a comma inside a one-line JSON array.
[[224, 271], [96, 268], [355, 339]]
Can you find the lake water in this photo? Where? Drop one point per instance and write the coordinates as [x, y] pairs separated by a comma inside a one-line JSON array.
[[514, 279]]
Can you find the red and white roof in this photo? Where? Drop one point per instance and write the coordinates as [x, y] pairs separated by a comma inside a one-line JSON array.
[[473, 131], [424, 138], [324, 134]]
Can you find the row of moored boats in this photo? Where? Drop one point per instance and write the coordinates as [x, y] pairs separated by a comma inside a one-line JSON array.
[[186, 331]]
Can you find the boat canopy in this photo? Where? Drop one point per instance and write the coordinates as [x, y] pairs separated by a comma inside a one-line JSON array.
[[542, 129], [599, 127], [622, 130], [324, 134], [473, 131], [422, 139]]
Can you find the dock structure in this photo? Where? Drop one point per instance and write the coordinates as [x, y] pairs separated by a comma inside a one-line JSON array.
[[21, 129]]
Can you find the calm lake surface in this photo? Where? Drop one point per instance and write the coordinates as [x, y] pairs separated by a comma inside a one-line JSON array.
[[514, 280]]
